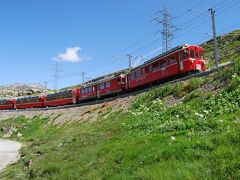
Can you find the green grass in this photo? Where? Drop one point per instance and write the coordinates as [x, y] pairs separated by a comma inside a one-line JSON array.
[[196, 138], [228, 48], [140, 144]]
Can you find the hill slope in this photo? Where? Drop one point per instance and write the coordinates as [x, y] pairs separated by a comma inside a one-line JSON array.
[[228, 46], [189, 130], [17, 90]]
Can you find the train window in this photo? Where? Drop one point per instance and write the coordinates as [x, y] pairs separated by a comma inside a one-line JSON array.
[[150, 68], [138, 73], [143, 71], [90, 89], [82, 91], [191, 53], [86, 90], [201, 55], [197, 54], [102, 86], [172, 60], [146, 70], [108, 84], [185, 54], [155, 66], [132, 75], [180, 56], [118, 80], [163, 64], [5, 102], [93, 88]]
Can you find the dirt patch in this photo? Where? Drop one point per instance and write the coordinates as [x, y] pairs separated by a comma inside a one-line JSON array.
[[85, 113]]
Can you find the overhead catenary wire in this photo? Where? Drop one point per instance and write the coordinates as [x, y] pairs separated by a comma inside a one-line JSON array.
[[191, 24], [230, 5]]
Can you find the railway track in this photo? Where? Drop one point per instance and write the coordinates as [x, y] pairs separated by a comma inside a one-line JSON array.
[[200, 74]]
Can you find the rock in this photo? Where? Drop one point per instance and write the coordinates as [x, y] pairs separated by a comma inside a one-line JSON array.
[[8, 135]]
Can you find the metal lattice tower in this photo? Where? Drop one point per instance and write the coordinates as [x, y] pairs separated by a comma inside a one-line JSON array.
[[56, 76], [167, 28]]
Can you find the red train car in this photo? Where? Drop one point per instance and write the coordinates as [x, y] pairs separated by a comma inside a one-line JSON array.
[[6, 104], [29, 102], [177, 61], [88, 92], [62, 98], [111, 85], [105, 87]]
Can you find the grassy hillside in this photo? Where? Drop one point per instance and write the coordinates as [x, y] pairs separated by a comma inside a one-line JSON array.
[[189, 130], [228, 45]]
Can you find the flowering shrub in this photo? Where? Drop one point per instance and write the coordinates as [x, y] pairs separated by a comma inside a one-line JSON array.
[[201, 115]]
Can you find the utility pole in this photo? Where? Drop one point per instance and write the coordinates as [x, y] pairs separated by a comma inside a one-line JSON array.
[[129, 62], [83, 74], [214, 37], [214, 33], [167, 28]]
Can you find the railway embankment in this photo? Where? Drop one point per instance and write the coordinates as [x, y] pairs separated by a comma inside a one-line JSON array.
[[185, 130]]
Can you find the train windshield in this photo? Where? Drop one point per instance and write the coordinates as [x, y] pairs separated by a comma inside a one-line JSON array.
[[201, 55]]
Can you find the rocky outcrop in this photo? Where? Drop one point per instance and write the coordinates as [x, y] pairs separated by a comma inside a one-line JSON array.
[[18, 90]]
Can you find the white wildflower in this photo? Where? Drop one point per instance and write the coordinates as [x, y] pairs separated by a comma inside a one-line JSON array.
[[19, 134], [200, 115], [173, 138], [234, 75], [206, 112]]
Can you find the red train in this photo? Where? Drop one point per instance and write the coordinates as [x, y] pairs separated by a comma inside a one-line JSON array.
[[177, 61]]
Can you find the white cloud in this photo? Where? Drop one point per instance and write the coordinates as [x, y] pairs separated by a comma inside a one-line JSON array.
[[71, 55]]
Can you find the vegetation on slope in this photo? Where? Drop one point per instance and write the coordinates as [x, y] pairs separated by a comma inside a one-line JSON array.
[[197, 137], [228, 47]]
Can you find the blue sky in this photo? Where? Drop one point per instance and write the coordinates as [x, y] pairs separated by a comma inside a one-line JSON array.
[[95, 36]]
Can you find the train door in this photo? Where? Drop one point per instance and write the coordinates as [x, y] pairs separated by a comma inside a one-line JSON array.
[[14, 104], [180, 60], [74, 96], [98, 90], [43, 100], [123, 82], [197, 57]]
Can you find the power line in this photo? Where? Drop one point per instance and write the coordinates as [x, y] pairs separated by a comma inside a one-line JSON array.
[[229, 6], [228, 27], [187, 11]]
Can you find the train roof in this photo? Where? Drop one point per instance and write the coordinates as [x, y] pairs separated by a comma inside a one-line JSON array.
[[5, 100], [28, 97], [105, 78], [60, 92], [177, 48]]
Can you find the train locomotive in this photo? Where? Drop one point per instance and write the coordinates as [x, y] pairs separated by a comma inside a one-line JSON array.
[[177, 61]]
